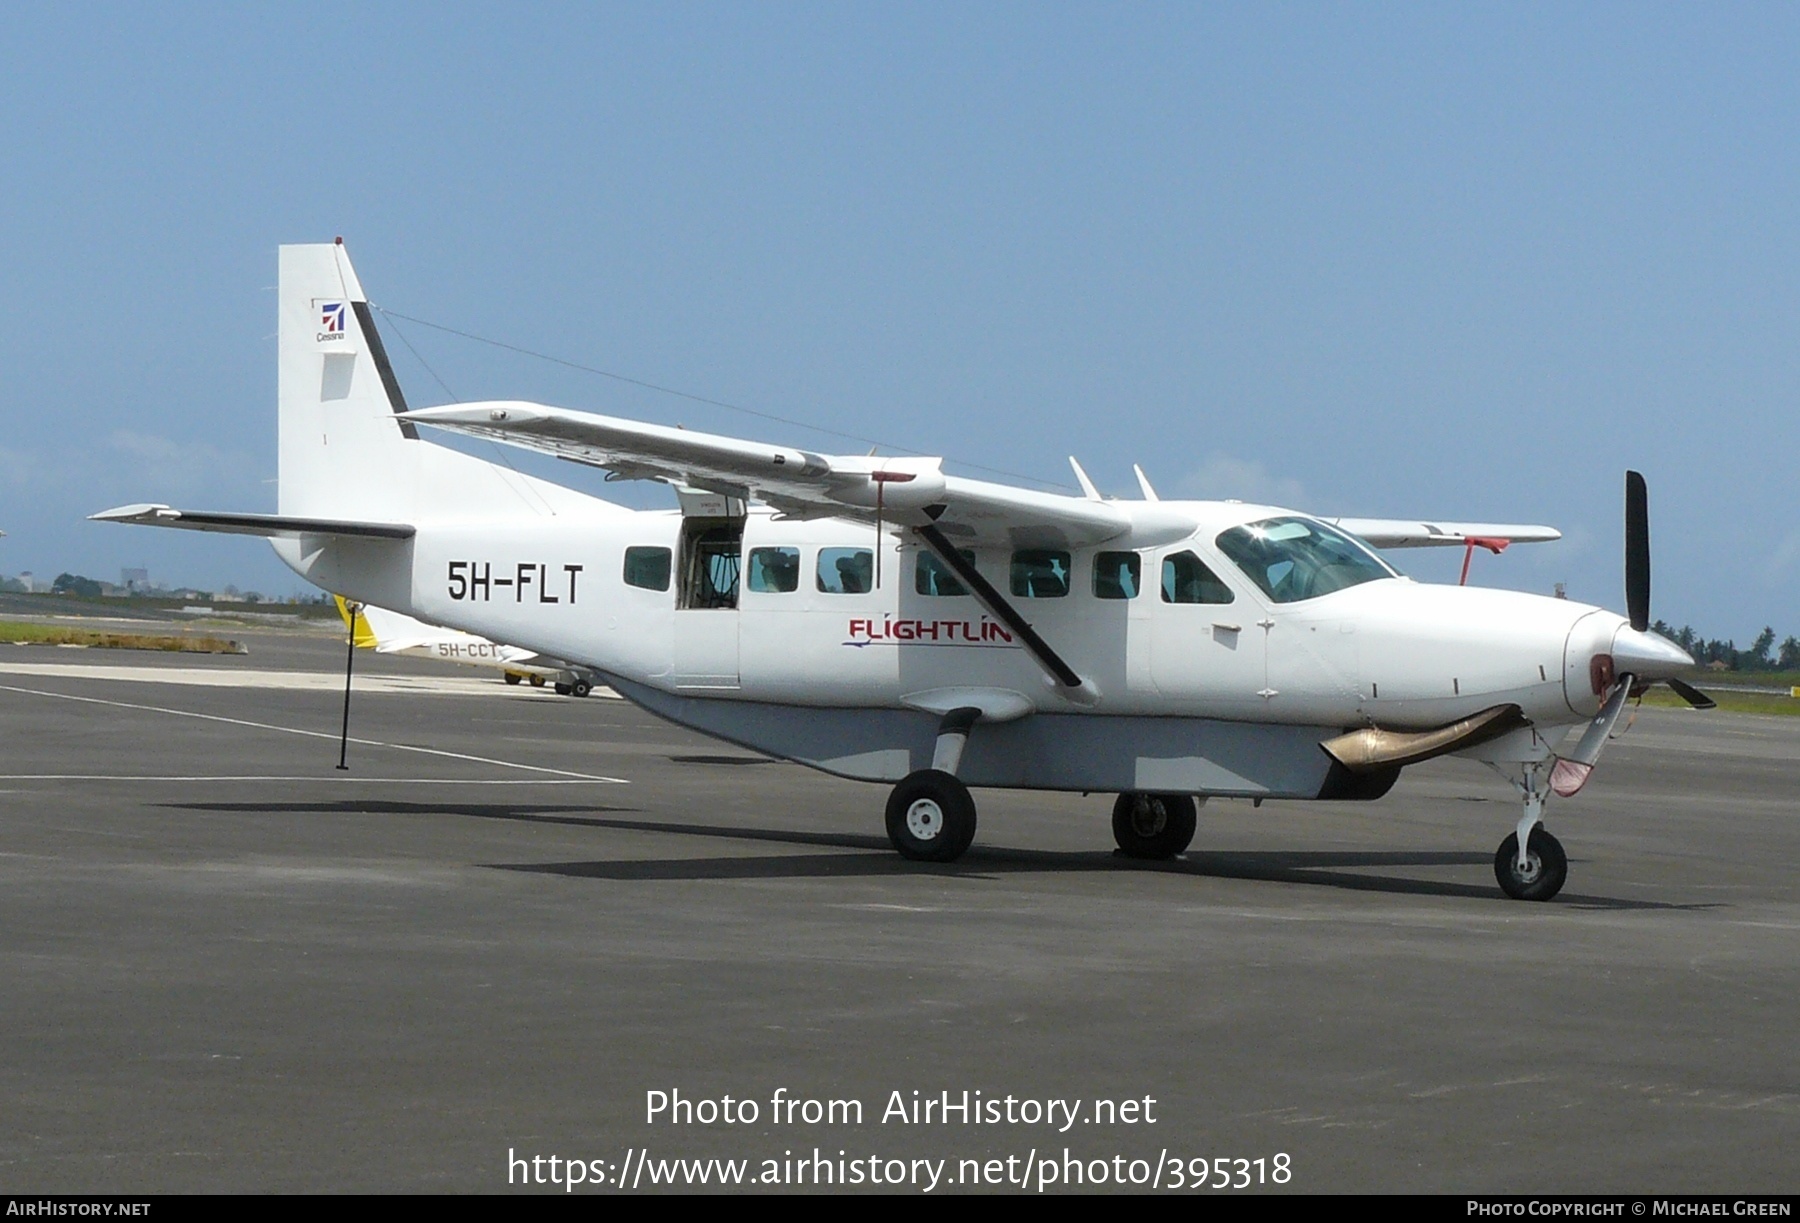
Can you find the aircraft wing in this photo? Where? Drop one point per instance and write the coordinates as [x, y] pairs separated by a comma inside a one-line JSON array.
[[391, 632], [803, 484], [250, 524], [1402, 533]]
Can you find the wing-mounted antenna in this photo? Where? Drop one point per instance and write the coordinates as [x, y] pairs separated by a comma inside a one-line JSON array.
[[1144, 483], [1087, 486]]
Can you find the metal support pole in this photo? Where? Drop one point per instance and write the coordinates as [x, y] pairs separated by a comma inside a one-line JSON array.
[[355, 610]]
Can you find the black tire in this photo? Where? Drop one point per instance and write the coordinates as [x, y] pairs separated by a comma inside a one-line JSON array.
[[931, 817], [1548, 870], [1154, 825], [562, 689], [580, 688], [513, 677], [537, 681]]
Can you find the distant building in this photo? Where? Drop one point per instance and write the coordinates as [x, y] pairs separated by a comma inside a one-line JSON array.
[[135, 581]]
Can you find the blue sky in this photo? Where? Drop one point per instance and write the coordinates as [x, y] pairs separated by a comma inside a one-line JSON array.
[[1442, 261]]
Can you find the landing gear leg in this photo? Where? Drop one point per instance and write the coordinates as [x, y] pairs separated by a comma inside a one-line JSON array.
[[1530, 864], [930, 814]]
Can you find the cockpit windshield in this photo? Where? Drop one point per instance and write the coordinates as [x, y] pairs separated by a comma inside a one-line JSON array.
[[1298, 558]]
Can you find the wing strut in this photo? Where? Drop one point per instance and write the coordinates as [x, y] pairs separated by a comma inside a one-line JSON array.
[[1072, 685]]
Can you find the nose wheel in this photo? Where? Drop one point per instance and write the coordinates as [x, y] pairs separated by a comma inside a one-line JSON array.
[[931, 817], [1538, 873]]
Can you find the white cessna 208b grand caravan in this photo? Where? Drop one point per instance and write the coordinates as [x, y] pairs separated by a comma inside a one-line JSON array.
[[878, 619]]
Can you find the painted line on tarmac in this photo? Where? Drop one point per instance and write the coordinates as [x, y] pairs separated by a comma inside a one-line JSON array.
[[297, 681], [332, 778], [314, 734]]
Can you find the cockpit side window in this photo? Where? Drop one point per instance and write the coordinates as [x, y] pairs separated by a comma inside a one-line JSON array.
[[1292, 559], [1186, 579]]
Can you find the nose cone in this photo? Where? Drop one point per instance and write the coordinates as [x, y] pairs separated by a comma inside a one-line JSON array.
[[1648, 656]]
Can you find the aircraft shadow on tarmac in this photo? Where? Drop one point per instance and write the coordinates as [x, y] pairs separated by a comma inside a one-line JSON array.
[[1323, 868]]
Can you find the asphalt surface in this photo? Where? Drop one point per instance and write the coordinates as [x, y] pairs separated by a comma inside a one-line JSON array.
[[229, 966]]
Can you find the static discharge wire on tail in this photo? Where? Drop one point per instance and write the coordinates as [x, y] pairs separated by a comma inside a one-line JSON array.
[[666, 390]]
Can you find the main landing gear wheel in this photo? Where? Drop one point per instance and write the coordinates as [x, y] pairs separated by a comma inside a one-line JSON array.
[[930, 817], [1546, 866], [513, 677], [537, 681], [562, 689], [580, 688], [1153, 825]]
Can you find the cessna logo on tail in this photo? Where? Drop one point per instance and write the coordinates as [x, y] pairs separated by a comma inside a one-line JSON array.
[[331, 319]]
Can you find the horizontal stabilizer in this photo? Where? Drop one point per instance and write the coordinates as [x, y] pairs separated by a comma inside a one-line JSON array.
[[1401, 533], [250, 524], [1371, 748]]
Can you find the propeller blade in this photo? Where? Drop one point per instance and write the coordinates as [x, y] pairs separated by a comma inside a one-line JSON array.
[[1637, 551], [1692, 695]]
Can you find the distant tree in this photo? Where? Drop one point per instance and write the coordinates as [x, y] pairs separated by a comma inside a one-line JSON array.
[[1758, 657], [75, 584], [1789, 659]]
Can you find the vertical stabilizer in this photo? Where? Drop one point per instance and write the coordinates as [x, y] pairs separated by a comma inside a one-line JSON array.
[[344, 452], [338, 432]]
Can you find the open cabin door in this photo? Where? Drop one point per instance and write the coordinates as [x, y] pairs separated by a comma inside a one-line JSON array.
[[709, 572]]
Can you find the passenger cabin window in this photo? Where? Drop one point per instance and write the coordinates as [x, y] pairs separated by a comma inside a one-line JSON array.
[[1186, 579], [1117, 575], [1292, 559], [774, 570], [1038, 573], [933, 577], [846, 571], [647, 568]]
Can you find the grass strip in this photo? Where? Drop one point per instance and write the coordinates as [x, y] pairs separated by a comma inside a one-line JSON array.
[[1737, 702], [20, 633]]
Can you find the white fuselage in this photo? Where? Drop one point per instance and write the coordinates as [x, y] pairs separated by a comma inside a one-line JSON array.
[[1391, 652]]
